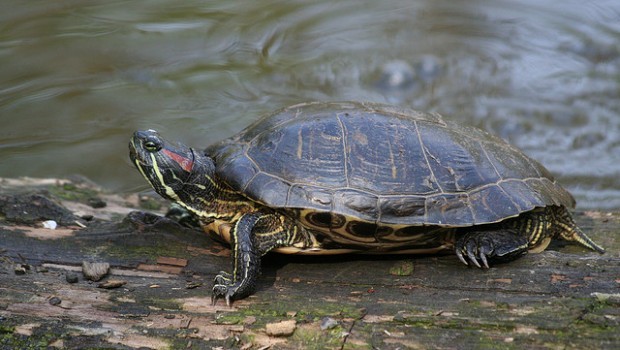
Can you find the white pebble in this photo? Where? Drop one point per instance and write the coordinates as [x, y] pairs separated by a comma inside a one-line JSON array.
[[51, 224]]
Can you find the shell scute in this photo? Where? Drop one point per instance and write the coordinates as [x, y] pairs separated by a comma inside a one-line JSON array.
[[268, 189], [403, 209], [356, 204], [302, 196], [377, 151], [492, 204], [449, 209]]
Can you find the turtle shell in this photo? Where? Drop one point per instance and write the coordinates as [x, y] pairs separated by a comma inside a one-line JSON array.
[[383, 165]]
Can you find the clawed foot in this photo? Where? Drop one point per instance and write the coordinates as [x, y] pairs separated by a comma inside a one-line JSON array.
[[472, 250], [478, 248], [223, 287]]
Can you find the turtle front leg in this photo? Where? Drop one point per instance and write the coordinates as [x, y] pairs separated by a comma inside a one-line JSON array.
[[252, 236], [246, 263], [481, 246]]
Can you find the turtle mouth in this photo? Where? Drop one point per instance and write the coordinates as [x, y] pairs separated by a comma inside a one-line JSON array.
[[133, 155], [136, 157]]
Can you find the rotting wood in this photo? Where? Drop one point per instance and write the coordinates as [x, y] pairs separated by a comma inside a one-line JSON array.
[[565, 297], [166, 260], [160, 268]]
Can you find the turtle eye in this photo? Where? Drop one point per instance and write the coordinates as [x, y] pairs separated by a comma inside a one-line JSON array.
[[151, 146]]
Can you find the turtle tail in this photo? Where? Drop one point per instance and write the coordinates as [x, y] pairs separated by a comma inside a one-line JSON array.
[[571, 232]]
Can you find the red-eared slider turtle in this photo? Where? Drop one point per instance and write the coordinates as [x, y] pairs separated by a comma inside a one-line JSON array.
[[330, 178]]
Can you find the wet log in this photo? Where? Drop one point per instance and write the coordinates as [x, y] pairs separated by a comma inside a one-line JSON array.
[[156, 293]]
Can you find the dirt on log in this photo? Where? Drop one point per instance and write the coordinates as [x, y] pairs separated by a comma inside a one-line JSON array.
[[155, 278]]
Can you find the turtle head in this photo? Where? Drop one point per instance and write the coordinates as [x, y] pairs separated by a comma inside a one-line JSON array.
[[175, 171]]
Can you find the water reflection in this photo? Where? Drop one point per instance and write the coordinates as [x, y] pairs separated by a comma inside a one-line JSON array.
[[77, 77]]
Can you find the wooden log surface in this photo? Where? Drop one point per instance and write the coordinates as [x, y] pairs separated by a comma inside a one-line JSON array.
[[156, 293]]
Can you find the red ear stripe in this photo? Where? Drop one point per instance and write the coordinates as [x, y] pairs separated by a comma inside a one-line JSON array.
[[184, 162]]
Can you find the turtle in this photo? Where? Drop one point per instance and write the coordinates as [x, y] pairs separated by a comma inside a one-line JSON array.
[[359, 177]]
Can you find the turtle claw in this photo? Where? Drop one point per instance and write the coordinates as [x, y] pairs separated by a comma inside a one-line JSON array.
[[469, 253], [485, 263], [478, 248], [222, 287], [459, 254], [484, 252], [473, 253], [219, 291]]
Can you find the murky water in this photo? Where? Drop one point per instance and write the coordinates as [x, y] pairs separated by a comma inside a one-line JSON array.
[[77, 77]]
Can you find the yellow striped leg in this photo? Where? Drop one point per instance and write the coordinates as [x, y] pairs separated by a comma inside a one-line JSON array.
[[246, 263]]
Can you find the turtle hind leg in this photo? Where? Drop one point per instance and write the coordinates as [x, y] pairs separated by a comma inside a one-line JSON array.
[[568, 230], [480, 247]]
